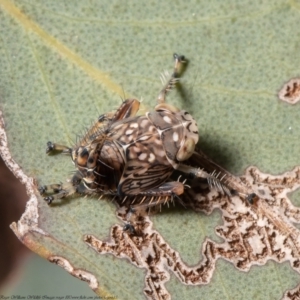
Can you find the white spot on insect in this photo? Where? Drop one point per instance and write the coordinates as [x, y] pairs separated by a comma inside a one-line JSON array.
[[167, 119], [134, 125], [151, 158], [161, 153], [152, 128], [136, 149], [143, 156], [144, 138], [175, 137], [126, 139], [144, 123], [129, 131]]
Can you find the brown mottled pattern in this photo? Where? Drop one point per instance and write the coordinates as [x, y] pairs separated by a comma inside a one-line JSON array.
[[127, 155], [136, 153], [174, 129], [145, 164]]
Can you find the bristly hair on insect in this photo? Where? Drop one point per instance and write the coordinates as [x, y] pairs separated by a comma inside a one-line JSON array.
[[133, 157]]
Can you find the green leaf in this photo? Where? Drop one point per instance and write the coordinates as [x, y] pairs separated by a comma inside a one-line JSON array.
[[65, 62]]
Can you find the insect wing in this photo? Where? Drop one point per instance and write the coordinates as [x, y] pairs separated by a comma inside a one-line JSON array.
[[170, 130], [136, 181], [146, 167]]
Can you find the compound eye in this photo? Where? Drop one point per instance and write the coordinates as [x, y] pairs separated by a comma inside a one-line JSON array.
[[92, 160], [101, 118], [82, 157], [186, 150]]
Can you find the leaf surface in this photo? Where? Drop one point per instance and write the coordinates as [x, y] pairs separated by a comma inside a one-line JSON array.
[[64, 63]]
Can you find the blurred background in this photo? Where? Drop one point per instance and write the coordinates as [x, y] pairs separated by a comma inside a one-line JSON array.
[[23, 273]]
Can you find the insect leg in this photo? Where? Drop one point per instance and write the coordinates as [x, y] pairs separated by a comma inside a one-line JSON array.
[[160, 195], [153, 198], [58, 190], [179, 59], [53, 147], [235, 185], [212, 179], [166, 189], [51, 188]]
